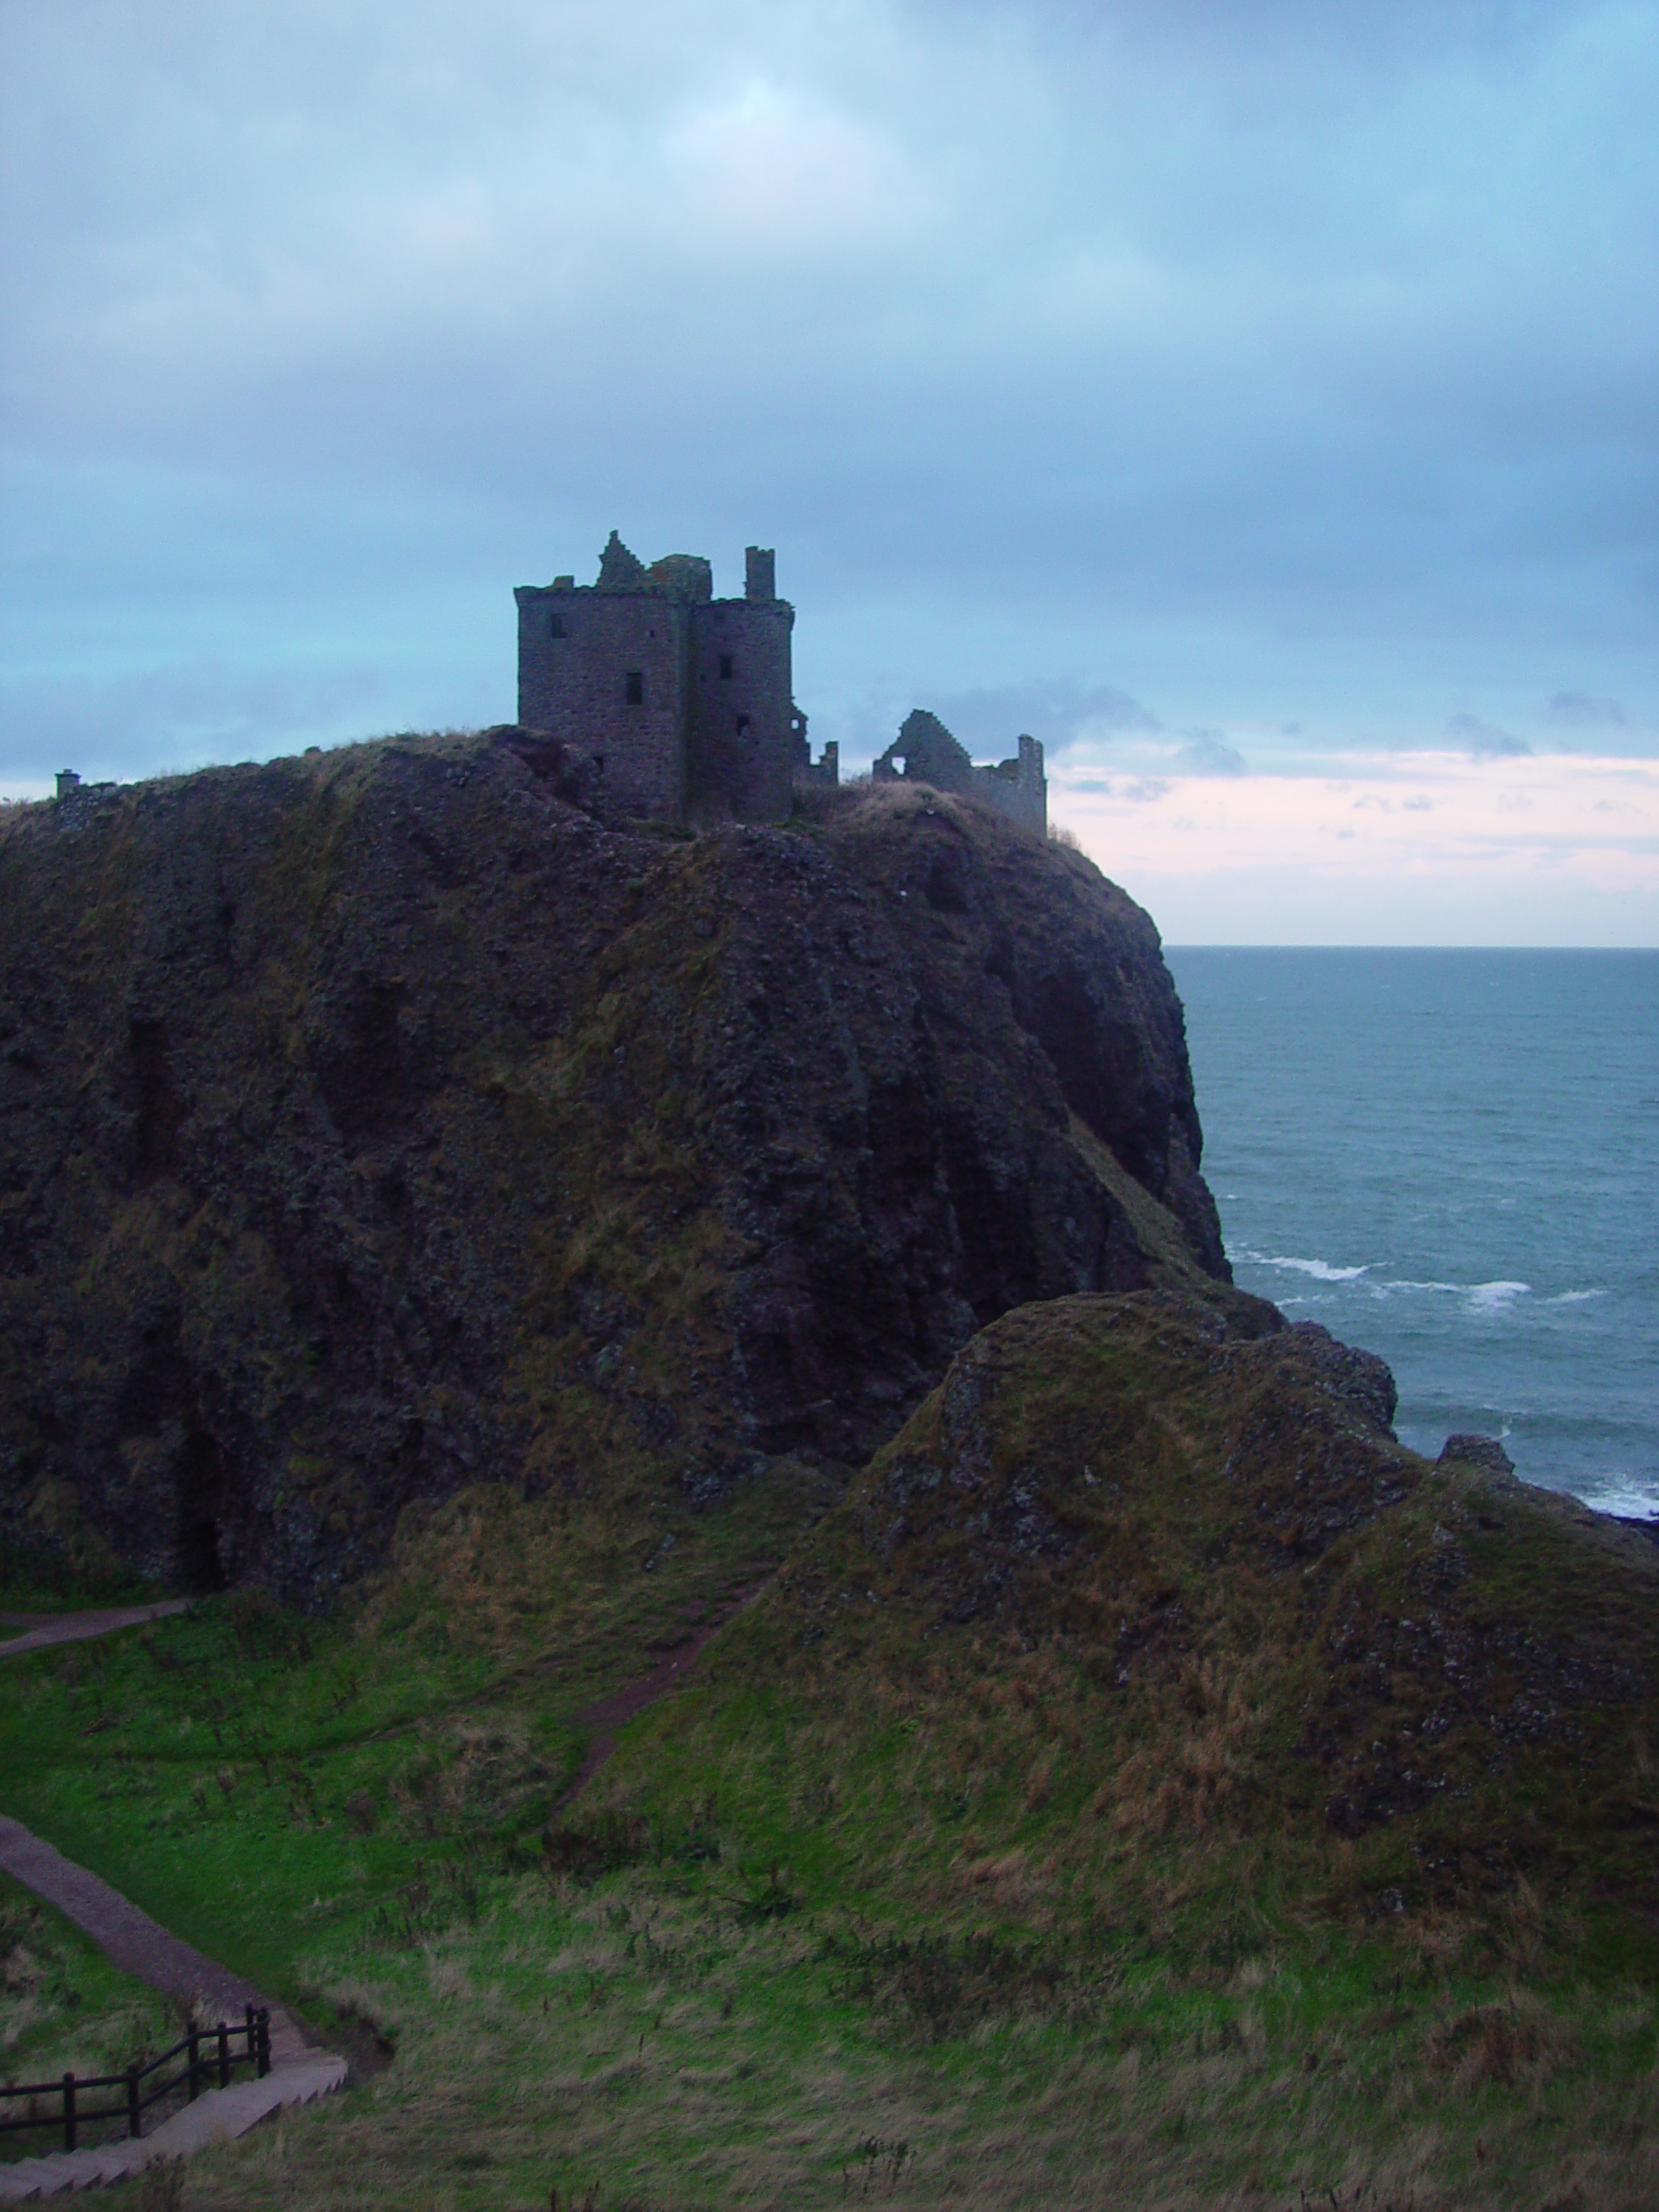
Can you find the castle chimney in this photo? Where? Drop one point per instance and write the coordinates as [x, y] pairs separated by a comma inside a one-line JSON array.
[[759, 573]]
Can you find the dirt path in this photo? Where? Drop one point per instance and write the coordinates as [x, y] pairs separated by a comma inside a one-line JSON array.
[[608, 1714], [43, 1629], [300, 2072], [134, 1942], [139, 1945]]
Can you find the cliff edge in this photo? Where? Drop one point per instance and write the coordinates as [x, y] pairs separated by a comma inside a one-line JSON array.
[[380, 1121]]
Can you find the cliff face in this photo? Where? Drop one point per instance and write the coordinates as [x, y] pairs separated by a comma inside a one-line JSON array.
[[379, 1123]]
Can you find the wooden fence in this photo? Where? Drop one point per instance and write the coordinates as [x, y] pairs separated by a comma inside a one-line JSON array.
[[209, 2055]]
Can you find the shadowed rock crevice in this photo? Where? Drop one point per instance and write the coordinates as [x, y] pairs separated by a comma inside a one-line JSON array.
[[202, 1487], [158, 1112]]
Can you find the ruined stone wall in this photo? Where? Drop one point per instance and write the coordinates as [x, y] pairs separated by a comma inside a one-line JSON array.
[[583, 656], [1018, 788], [743, 746], [930, 754]]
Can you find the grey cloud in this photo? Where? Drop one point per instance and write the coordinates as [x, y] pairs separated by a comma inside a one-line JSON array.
[[1484, 741], [1208, 754], [168, 718], [1058, 713], [1576, 710], [1289, 40]]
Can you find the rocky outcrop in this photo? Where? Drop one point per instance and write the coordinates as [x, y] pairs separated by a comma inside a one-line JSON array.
[[1130, 1612], [381, 1121]]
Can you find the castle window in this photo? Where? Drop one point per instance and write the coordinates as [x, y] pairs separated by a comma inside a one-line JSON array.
[[725, 667], [742, 724], [634, 689], [555, 625]]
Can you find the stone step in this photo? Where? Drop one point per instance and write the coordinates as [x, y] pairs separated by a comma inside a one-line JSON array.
[[216, 2117]]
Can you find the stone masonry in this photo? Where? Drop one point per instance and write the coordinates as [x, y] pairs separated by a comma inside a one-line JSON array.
[[930, 754], [683, 701]]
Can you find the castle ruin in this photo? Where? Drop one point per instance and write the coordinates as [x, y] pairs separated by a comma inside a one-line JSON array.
[[684, 701], [930, 754]]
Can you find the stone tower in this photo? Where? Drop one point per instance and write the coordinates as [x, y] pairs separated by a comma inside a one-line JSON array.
[[682, 699]]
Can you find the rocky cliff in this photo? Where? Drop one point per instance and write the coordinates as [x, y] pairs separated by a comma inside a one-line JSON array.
[[382, 1122]]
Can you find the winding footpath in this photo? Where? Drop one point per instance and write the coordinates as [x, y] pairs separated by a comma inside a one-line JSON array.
[[140, 1946], [299, 2072], [41, 1629]]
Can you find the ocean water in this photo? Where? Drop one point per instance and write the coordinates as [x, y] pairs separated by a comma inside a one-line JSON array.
[[1452, 1158]]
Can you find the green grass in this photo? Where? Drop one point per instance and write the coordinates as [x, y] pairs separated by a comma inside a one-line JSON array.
[[650, 2040], [47, 1582], [974, 1867], [250, 1777], [64, 2009]]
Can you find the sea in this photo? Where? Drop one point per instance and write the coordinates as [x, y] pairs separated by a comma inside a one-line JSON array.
[[1452, 1158]]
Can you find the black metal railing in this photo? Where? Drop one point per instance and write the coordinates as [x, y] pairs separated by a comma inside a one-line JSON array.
[[209, 2056]]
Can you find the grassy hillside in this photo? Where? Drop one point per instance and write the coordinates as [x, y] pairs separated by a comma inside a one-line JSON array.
[[1146, 1785], [64, 2008], [1136, 1624]]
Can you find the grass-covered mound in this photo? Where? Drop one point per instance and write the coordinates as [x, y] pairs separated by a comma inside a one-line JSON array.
[[1144, 1682], [1137, 1629], [1147, 1785]]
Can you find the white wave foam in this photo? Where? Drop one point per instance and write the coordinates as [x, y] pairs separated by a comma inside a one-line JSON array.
[[1632, 1504], [1321, 1270], [1483, 1297], [1573, 1297], [1497, 1297]]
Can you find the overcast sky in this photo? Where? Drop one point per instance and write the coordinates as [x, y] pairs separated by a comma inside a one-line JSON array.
[[1256, 399]]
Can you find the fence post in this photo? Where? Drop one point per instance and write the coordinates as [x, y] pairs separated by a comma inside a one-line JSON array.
[[249, 2044], [224, 2057], [135, 2117], [265, 2041], [68, 2111], [192, 2038]]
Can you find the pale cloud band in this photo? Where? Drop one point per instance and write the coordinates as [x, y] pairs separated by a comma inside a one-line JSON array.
[[1401, 847]]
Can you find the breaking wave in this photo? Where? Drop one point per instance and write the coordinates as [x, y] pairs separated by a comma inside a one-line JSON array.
[[1321, 1270]]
